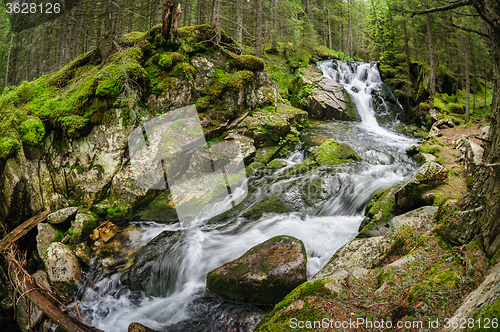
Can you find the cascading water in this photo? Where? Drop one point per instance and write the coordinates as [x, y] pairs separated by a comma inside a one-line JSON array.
[[176, 298]]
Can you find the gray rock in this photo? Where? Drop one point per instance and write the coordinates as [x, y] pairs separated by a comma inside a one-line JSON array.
[[473, 155], [410, 195], [360, 255], [263, 275], [45, 236], [484, 135], [204, 74], [482, 300], [62, 216], [63, 268], [80, 228]]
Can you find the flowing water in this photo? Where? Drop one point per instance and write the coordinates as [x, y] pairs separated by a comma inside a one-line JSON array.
[[324, 220]]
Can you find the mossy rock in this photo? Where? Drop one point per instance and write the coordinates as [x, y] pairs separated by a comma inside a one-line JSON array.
[[247, 62], [265, 274], [328, 154], [272, 205], [276, 164], [9, 146], [32, 131], [131, 38], [381, 209]]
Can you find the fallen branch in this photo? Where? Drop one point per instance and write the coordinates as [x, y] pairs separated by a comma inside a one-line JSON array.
[[441, 9], [29, 289], [461, 213], [22, 230], [489, 165]]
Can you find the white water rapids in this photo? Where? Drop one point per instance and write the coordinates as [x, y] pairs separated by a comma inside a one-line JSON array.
[[185, 305]]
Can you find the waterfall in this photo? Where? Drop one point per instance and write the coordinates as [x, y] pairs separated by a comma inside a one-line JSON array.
[[176, 298], [362, 81]]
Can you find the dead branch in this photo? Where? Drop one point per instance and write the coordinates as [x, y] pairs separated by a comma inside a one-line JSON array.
[[442, 9], [22, 230], [482, 34]]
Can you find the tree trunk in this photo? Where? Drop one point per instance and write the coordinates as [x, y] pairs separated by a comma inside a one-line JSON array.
[[407, 51], [467, 79], [216, 19], [485, 191], [108, 32], [8, 60], [258, 37], [349, 34], [329, 30], [432, 77]]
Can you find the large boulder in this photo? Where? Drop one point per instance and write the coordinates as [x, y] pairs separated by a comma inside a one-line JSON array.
[[328, 153], [63, 268], [410, 195], [357, 257], [322, 97], [380, 209], [265, 274]]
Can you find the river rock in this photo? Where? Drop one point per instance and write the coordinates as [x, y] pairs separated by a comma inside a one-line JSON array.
[[63, 268], [205, 70], [46, 234], [327, 154], [62, 216], [152, 269], [380, 209], [427, 176], [265, 274], [27, 314], [136, 327]]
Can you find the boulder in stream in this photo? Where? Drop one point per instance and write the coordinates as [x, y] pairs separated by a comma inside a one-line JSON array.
[[265, 274], [62, 216], [328, 153]]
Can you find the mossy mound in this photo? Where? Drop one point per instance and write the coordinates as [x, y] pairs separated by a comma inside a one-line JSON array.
[[246, 62], [327, 154], [272, 205]]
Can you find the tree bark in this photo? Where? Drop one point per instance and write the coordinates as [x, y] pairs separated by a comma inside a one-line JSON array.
[[485, 191], [8, 60], [258, 37], [167, 19], [432, 77], [467, 79], [216, 19], [329, 30], [407, 51], [349, 34]]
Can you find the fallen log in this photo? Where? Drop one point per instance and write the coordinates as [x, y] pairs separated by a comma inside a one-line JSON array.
[[28, 288], [24, 283], [22, 230]]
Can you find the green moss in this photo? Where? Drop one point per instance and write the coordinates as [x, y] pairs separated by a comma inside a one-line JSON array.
[[429, 149], [246, 62], [183, 70], [276, 164], [456, 108], [9, 146], [272, 205], [424, 106], [131, 38]]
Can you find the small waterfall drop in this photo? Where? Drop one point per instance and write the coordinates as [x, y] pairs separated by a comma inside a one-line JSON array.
[[360, 80]]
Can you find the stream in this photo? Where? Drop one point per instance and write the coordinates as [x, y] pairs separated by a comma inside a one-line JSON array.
[[178, 299]]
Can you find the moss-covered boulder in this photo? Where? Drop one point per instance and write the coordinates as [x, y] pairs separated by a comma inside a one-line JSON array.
[[80, 228], [410, 195], [327, 154], [380, 209], [263, 275], [272, 205], [45, 236], [63, 268]]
